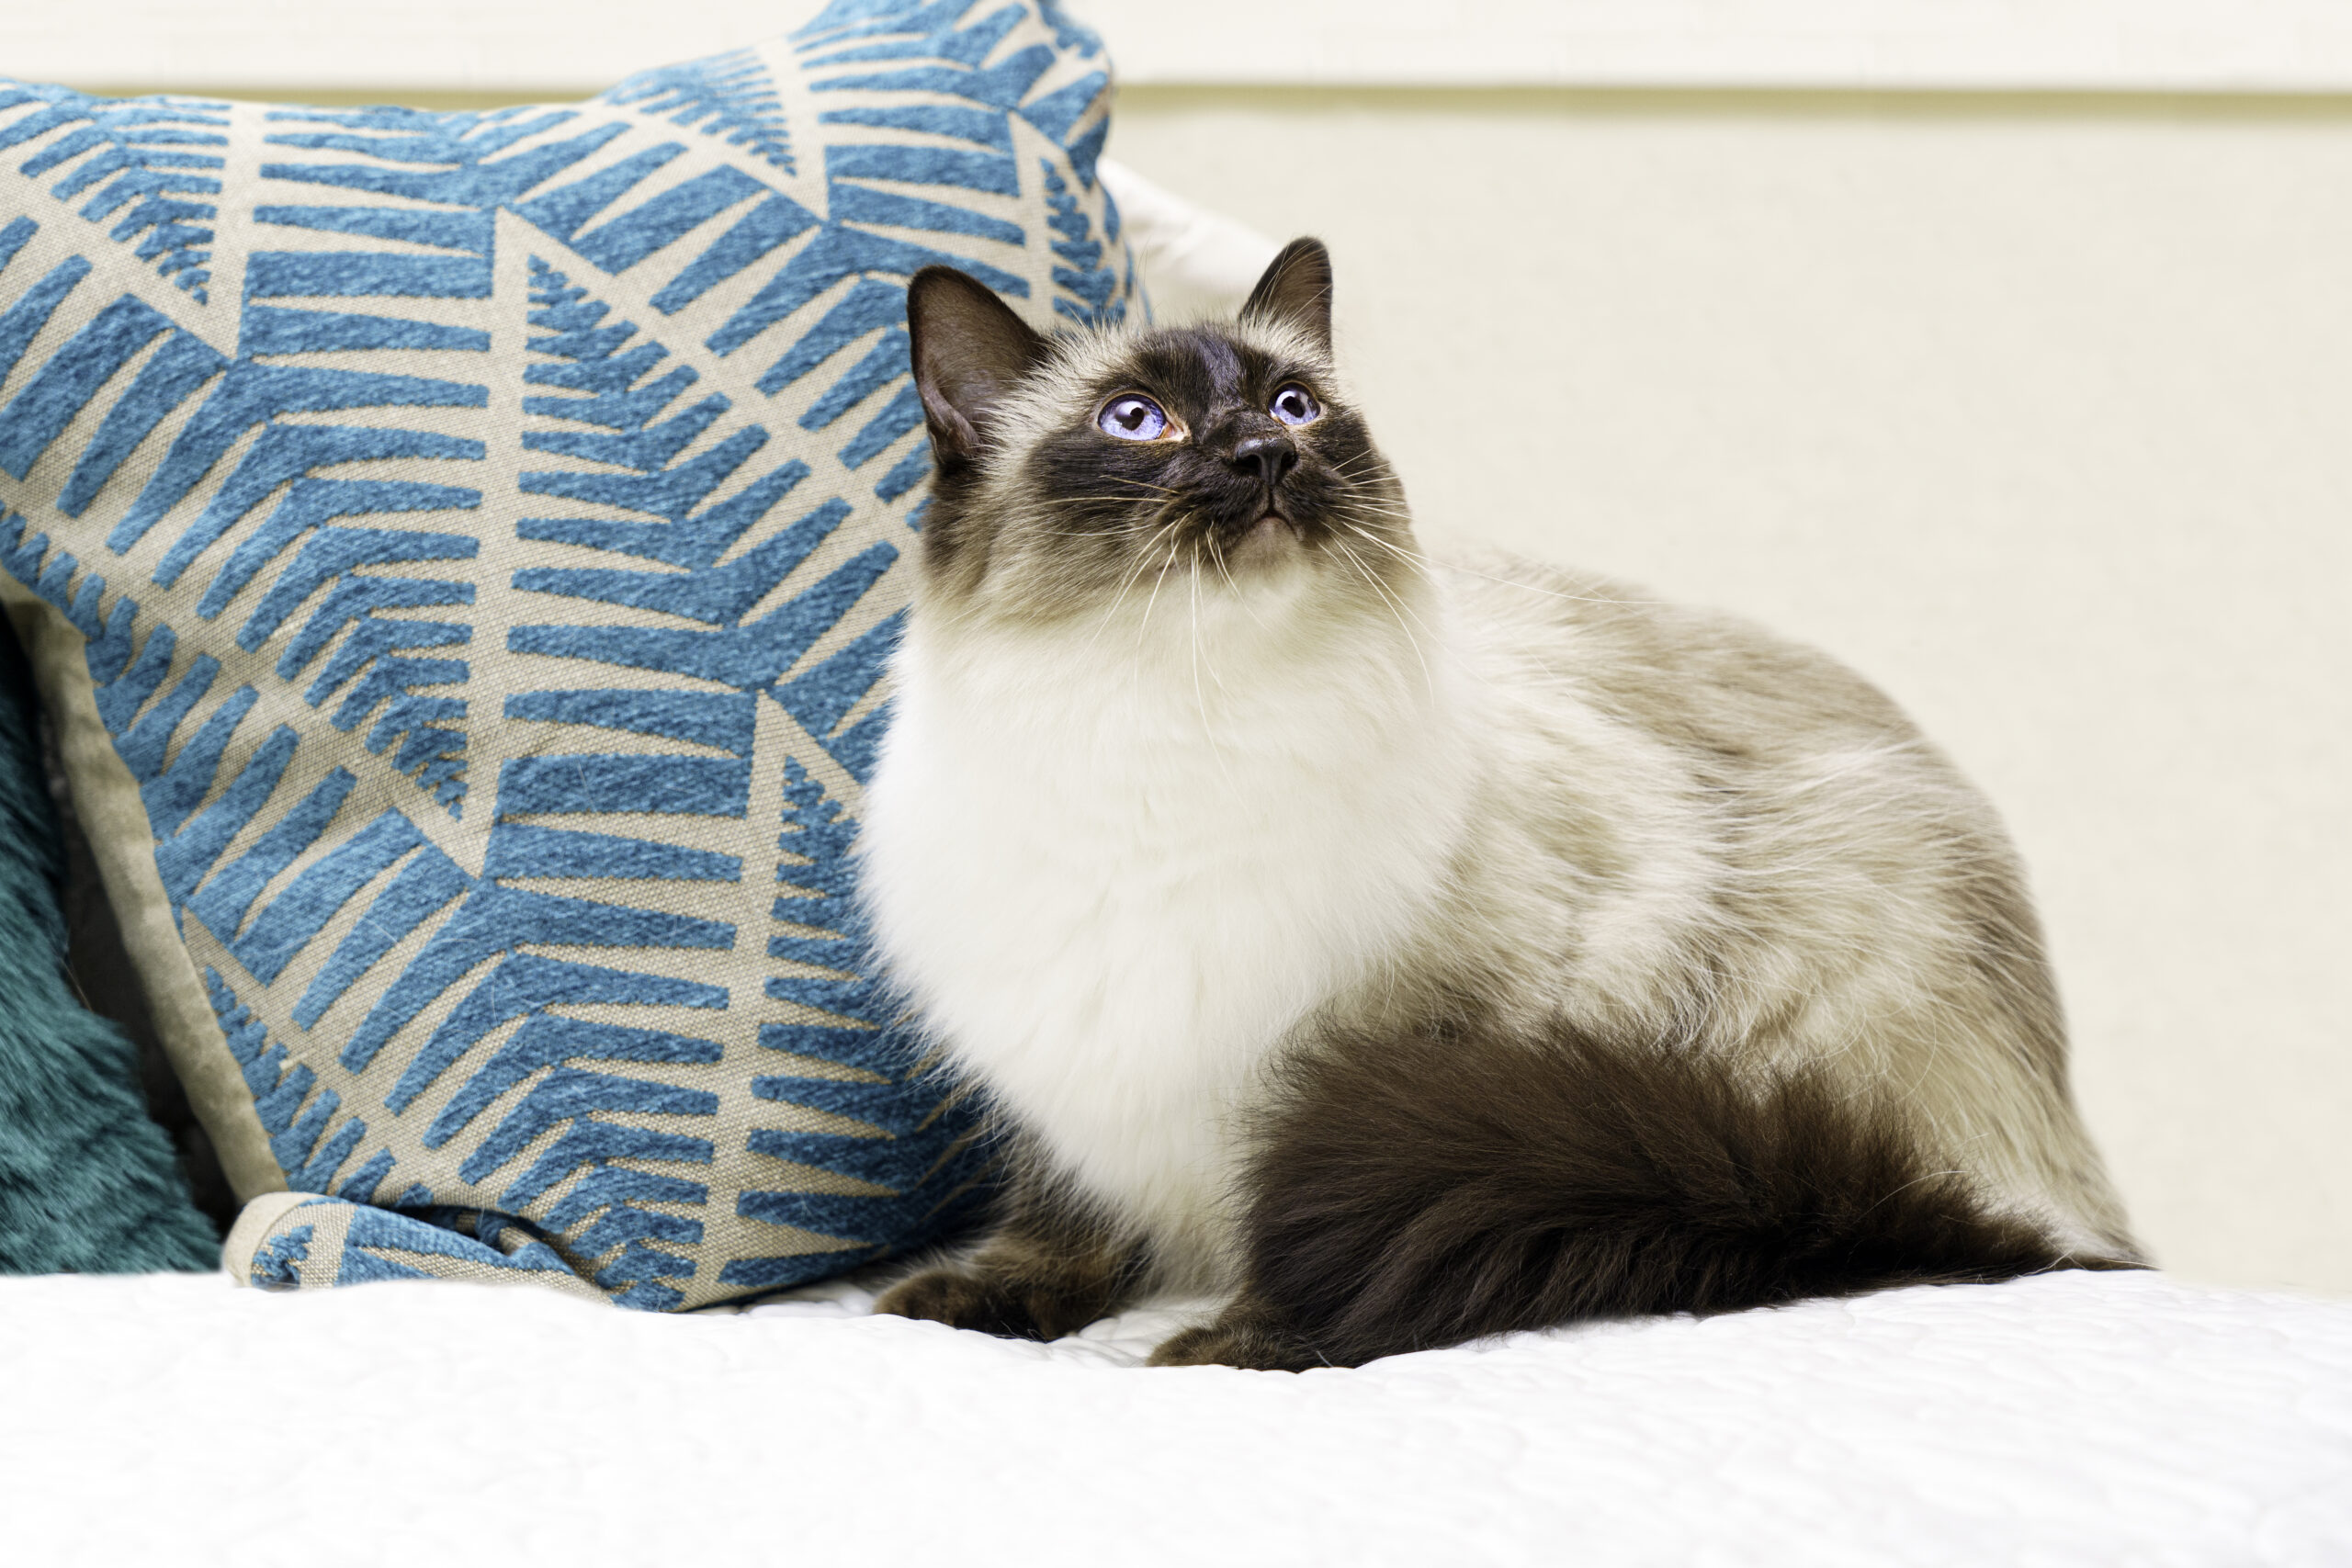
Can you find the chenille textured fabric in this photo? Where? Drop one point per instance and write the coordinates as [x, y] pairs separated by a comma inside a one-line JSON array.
[[458, 552]]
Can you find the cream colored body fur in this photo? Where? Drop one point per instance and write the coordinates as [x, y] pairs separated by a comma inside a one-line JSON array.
[[1117, 863], [1112, 922]]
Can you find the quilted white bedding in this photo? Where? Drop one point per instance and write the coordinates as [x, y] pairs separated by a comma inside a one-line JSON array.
[[2076, 1418]]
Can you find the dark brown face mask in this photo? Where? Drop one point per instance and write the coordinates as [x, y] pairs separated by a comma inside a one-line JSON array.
[[1225, 444]]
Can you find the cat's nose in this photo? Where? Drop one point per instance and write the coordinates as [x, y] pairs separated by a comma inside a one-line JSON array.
[[1268, 456]]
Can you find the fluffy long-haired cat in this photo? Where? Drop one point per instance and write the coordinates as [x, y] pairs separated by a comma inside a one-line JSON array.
[[1407, 952]]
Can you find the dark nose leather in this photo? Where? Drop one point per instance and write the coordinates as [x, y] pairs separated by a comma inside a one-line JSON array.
[[1268, 456]]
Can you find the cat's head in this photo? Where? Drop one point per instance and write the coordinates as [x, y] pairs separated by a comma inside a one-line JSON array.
[[1078, 475]]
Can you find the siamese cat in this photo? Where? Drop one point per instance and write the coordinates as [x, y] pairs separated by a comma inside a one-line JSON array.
[[1407, 950]]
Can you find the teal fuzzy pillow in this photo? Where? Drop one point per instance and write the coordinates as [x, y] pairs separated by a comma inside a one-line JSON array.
[[459, 552], [88, 1183]]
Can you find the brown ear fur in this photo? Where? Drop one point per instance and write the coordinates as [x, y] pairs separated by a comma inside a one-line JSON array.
[[1296, 290], [970, 352]]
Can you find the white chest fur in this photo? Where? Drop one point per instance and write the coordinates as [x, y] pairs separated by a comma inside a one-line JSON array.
[[1114, 875]]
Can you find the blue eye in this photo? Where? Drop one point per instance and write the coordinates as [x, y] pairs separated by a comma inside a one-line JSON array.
[[1295, 405], [1131, 416]]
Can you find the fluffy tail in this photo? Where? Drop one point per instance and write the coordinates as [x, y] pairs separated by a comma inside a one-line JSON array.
[[1413, 1194]]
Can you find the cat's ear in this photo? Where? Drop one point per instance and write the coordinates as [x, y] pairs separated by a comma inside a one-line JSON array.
[[1296, 292], [970, 351]]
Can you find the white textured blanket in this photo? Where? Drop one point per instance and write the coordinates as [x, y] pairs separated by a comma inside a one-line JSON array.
[[2077, 1418]]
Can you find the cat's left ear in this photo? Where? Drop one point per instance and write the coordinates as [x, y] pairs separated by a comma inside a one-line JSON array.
[[970, 351], [1296, 292]]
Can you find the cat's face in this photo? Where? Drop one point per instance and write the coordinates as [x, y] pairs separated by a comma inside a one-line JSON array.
[[1081, 475]]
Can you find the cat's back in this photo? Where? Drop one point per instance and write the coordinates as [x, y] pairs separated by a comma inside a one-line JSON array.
[[1749, 844], [1711, 683], [1735, 788]]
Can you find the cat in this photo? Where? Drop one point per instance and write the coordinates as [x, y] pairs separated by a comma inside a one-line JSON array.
[[1403, 951]]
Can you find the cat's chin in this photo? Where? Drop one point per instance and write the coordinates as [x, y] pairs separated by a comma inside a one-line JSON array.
[[1273, 538]]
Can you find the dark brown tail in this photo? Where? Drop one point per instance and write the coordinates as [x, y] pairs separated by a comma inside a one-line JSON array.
[[1410, 1194]]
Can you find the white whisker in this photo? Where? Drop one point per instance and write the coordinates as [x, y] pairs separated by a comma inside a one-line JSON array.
[[1143, 558], [1365, 573], [1431, 563]]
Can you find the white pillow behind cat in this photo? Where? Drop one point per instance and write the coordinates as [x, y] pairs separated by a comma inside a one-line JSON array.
[[1198, 262]]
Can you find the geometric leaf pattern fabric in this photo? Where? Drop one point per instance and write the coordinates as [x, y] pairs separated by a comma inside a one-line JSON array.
[[480, 537]]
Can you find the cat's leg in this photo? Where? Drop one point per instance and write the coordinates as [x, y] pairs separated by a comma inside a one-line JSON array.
[[1049, 1267]]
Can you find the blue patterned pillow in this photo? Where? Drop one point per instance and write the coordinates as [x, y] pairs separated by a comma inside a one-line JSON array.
[[459, 550]]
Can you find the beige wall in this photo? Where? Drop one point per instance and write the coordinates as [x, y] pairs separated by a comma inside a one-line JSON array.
[[2037, 411]]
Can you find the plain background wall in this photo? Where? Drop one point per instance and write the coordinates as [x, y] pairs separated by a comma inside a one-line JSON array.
[[2037, 411], [2032, 407]]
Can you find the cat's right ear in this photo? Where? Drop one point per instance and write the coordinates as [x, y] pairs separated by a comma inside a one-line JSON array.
[[970, 351]]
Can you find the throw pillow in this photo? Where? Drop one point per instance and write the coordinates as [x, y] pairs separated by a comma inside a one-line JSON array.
[[459, 551]]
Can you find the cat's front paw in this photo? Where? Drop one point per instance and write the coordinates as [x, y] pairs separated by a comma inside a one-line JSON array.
[[1245, 1342], [965, 1297], [961, 1298]]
